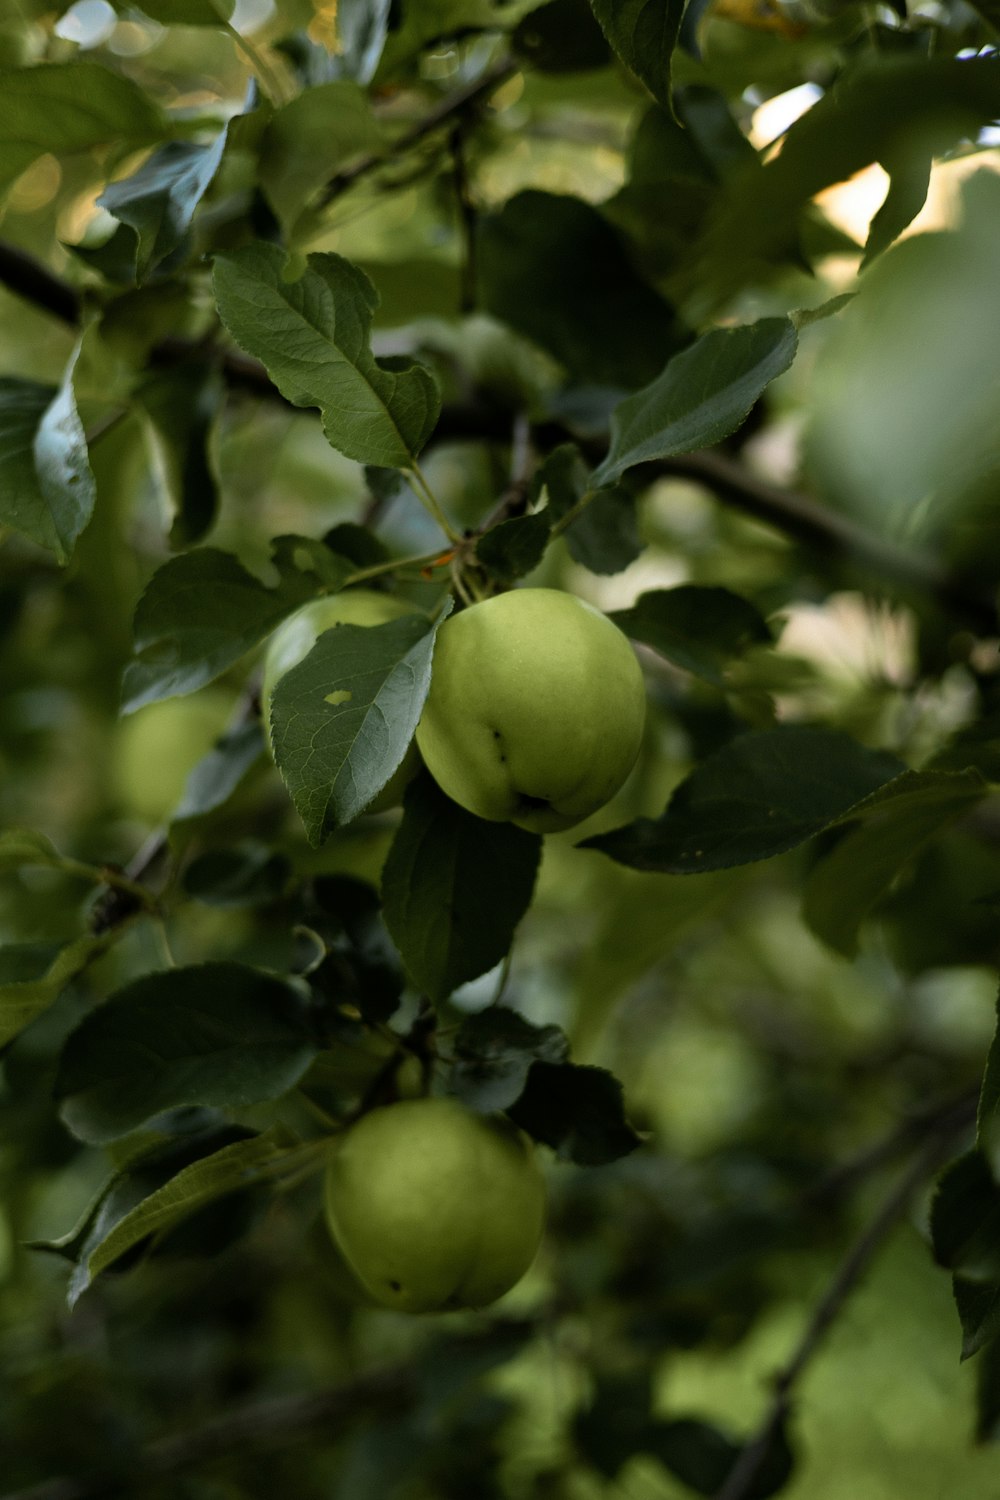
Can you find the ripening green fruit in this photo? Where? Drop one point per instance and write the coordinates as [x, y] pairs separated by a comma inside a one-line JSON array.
[[535, 711], [156, 748], [295, 638], [435, 1208]]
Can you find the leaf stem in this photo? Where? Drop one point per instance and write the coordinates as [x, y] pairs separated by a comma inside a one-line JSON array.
[[565, 521], [107, 875]]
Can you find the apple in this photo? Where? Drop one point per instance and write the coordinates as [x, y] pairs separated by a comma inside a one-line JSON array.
[[156, 748], [295, 638], [435, 1208], [535, 711]]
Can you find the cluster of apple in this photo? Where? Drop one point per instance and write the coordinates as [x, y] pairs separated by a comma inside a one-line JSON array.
[[534, 716]]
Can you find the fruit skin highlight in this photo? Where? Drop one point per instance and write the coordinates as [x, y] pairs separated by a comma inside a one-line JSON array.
[[295, 638], [536, 709], [433, 1207]]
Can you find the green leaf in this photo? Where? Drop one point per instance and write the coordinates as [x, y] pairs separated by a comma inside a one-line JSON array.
[[21, 1000], [362, 28], [553, 268], [64, 107], [151, 1197], [579, 1112], [561, 37], [493, 1051], [884, 107], [761, 794], [247, 874], [312, 334], [644, 34], [342, 720], [217, 1034], [699, 629], [454, 889], [897, 823], [701, 397], [965, 1220], [199, 614], [183, 406], [310, 139], [514, 547], [217, 775], [20, 846], [978, 1304], [159, 200], [46, 486], [182, 12], [988, 1118], [604, 537]]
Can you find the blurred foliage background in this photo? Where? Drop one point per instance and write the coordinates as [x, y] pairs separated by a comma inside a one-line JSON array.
[[777, 1084]]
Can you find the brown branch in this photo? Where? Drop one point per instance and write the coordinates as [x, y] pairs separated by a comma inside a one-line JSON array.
[[452, 107], [739, 1482], [29, 278]]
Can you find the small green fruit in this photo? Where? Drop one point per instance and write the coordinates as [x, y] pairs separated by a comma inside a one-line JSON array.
[[535, 711], [435, 1208], [295, 638], [156, 748]]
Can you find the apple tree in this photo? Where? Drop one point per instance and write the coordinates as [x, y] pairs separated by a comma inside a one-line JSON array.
[[499, 730]]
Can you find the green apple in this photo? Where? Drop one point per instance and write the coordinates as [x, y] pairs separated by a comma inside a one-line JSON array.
[[535, 711], [435, 1208], [157, 747], [295, 638]]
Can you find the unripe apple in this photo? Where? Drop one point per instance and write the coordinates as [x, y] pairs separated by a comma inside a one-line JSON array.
[[295, 638], [435, 1208], [535, 711]]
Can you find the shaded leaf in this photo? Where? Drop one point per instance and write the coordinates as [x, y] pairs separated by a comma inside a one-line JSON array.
[[701, 397], [156, 1207], [702, 1456], [896, 824], [46, 486], [217, 775], [158, 201], [578, 1111], [307, 141], [454, 889], [761, 794], [553, 268], [312, 334], [343, 718], [218, 1034], [978, 1304], [201, 612], [965, 1220], [247, 874], [644, 34], [69, 107], [561, 37], [21, 1000], [700, 629], [183, 406], [493, 1052], [604, 537], [514, 547]]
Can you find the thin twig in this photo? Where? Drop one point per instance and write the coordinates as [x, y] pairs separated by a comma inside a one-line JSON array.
[[449, 109], [739, 1482]]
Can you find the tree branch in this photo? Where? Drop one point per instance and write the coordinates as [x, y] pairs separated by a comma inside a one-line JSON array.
[[740, 1480], [451, 108]]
